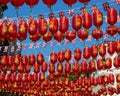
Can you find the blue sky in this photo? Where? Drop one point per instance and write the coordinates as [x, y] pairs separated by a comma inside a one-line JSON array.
[[59, 6]]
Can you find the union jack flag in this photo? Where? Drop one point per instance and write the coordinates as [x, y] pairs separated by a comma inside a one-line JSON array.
[[24, 47], [5, 49], [37, 45], [31, 46]]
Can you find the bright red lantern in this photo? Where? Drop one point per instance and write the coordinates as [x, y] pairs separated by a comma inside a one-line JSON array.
[[36, 68], [4, 60], [84, 67], [31, 59], [60, 67], [59, 36], [49, 3], [32, 26], [108, 63], [116, 62], [111, 16], [83, 34], [94, 51], [42, 25], [61, 56], [75, 67], [67, 67], [86, 52], [20, 68], [70, 2], [111, 48], [27, 68], [106, 79], [47, 36], [64, 23], [92, 66], [70, 35], [100, 64], [76, 22], [35, 37], [102, 50], [16, 60], [24, 60], [31, 3], [68, 54], [44, 67], [51, 68], [77, 54], [111, 77], [87, 20], [17, 3], [40, 58], [97, 18], [117, 46], [97, 34], [13, 68], [53, 57]]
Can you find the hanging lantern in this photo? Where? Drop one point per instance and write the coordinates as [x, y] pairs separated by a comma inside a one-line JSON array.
[[106, 79], [31, 59], [18, 77], [44, 67], [67, 67], [61, 56], [20, 37], [49, 3], [118, 78], [36, 68], [20, 68], [102, 50], [87, 20], [4, 30], [41, 76], [77, 54], [68, 54], [92, 66], [97, 18], [25, 77], [51, 68], [59, 36], [32, 26], [40, 58], [84, 67], [76, 22], [112, 30], [100, 64], [13, 76], [70, 2], [4, 60], [111, 77], [16, 60], [111, 48], [100, 80], [13, 68], [70, 35], [117, 46], [10, 60], [64, 23], [83, 34], [31, 3], [17, 3], [42, 25], [60, 67], [97, 34], [24, 59], [75, 67], [27, 68], [7, 77], [111, 16], [108, 63], [86, 52], [84, 1], [35, 37], [53, 24], [2, 77], [47, 36], [53, 57], [94, 51], [116, 62]]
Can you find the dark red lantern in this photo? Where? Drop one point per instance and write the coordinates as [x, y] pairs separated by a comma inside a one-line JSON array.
[[94, 51], [49, 3], [59, 36], [117, 46], [36, 68], [4, 60], [116, 61], [13, 68], [16, 60], [111, 77], [60, 67], [84, 67], [67, 67], [108, 63], [35, 37], [75, 67], [97, 34], [70, 35], [70, 2], [40, 58], [10, 60], [24, 60], [31, 3], [68, 54], [83, 34], [31, 59], [84, 1], [77, 54], [100, 64], [92, 66], [76, 22], [4, 1], [17, 3], [111, 48], [53, 57], [20, 68], [86, 52], [51, 68], [106, 79], [102, 50], [44, 67], [61, 56], [47, 36]]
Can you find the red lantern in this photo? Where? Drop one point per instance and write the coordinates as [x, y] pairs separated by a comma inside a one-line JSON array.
[[41, 76], [118, 78], [116, 62], [49, 3], [53, 57], [92, 66], [83, 34], [64, 23], [84, 67], [76, 22], [94, 51], [60, 67], [51, 68], [36, 68], [70, 3], [18, 77], [106, 79], [13, 78], [111, 30], [59, 36], [75, 67], [87, 20], [35, 37], [13, 68], [17, 3], [40, 58], [61, 56], [16, 60], [4, 1], [111, 16], [100, 64], [31, 59], [32, 26], [27, 68], [67, 67], [68, 54], [10, 60], [102, 50], [77, 54], [53, 24], [31, 3], [86, 53], [111, 77], [21, 38], [118, 30], [24, 59], [84, 1], [111, 48], [100, 80], [97, 34], [4, 60], [44, 67], [7, 77], [2, 77], [97, 18], [20, 68], [70, 35], [25, 77], [47, 36], [42, 25], [108, 63], [117, 46]]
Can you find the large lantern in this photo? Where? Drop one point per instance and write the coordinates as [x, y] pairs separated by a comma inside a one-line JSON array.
[[102, 50], [92, 66], [36, 68]]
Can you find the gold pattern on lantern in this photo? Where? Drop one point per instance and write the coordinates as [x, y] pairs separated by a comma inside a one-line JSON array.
[[22, 28]]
